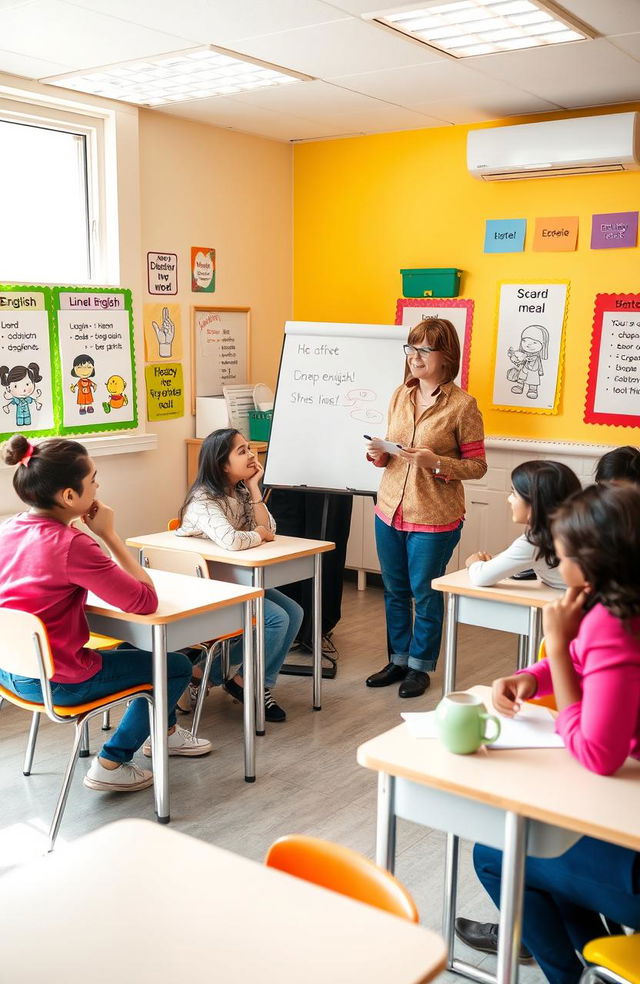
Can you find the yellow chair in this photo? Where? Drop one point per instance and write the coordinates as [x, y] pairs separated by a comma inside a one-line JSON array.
[[97, 641], [194, 565], [615, 959], [25, 651], [341, 870], [549, 700]]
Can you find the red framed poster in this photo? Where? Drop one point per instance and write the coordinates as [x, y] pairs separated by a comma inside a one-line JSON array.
[[613, 387], [457, 310]]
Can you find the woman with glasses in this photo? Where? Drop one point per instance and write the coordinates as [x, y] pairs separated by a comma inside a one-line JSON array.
[[420, 507]]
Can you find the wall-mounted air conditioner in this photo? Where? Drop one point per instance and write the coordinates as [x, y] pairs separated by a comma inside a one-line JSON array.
[[582, 145]]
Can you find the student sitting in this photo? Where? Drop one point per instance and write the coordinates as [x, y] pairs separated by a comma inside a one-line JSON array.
[[619, 465], [47, 566], [593, 668], [225, 504], [537, 489]]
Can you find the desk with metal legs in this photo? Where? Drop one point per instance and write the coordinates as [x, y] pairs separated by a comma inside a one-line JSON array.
[[188, 609], [523, 801], [508, 606], [270, 565]]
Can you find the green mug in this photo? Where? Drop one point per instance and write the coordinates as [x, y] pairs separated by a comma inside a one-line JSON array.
[[462, 723]]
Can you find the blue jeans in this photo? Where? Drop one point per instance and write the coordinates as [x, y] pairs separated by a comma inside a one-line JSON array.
[[409, 562], [121, 668], [282, 621], [563, 897]]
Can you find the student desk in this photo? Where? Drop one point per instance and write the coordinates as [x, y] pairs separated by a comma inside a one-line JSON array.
[[246, 922], [508, 606], [189, 609], [281, 561], [523, 801]]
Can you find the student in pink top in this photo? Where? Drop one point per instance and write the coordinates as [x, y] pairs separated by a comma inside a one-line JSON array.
[[592, 667], [47, 567]]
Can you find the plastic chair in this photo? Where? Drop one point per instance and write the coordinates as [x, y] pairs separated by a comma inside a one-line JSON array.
[[97, 641], [25, 651], [194, 565], [615, 959], [341, 870], [549, 700]]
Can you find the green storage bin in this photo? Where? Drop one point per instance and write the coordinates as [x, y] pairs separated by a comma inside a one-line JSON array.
[[260, 424], [431, 282]]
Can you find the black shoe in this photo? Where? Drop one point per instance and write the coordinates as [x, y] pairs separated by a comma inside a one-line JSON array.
[[233, 688], [414, 684], [272, 711], [392, 673], [484, 937]]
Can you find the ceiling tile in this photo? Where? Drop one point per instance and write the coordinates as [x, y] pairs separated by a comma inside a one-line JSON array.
[[479, 109], [607, 16], [50, 26], [311, 100], [30, 68], [627, 42], [588, 73], [329, 50]]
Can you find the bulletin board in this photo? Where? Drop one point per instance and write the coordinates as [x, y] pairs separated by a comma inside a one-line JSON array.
[[220, 349], [67, 360]]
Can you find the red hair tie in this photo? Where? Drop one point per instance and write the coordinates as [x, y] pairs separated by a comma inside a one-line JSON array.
[[27, 455]]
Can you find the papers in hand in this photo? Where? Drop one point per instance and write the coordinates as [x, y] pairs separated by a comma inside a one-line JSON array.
[[388, 446], [532, 727]]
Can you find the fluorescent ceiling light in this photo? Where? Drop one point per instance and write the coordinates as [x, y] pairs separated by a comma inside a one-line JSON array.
[[179, 76], [463, 28]]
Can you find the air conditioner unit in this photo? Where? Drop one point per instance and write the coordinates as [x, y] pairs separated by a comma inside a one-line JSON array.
[[582, 145]]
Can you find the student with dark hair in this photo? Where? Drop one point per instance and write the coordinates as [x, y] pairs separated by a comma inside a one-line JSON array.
[[621, 464], [537, 489], [20, 390], [592, 667], [225, 504], [47, 567]]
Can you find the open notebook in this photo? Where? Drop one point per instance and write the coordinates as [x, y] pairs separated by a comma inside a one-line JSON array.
[[532, 727]]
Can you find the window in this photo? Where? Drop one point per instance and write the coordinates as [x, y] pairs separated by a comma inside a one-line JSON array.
[[52, 228]]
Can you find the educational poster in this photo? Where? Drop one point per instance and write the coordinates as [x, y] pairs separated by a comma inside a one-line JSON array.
[[162, 273], [26, 383], [459, 311], [165, 391], [613, 388], [556, 235], [504, 235], [162, 332], [219, 350], [203, 269], [530, 347], [614, 230], [95, 346]]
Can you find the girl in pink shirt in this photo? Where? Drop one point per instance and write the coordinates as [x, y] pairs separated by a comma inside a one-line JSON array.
[[592, 667], [47, 567]]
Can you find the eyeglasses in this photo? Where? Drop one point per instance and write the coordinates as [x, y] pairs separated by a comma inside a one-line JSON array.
[[412, 350]]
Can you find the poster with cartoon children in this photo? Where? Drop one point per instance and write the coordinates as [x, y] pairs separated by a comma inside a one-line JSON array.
[[530, 347], [26, 397], [95, 346]]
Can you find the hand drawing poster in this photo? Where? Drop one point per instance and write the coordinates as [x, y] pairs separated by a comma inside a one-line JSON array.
[[613, 390], [459, 311], [162, 332], [26, 384], [95, 346], [530, 347]]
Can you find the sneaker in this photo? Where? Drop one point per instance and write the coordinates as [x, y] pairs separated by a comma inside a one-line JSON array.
[[182, 742], [272, 711], [125, 779]]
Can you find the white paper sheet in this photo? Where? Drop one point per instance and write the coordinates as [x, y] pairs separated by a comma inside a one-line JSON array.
[[532, 727]]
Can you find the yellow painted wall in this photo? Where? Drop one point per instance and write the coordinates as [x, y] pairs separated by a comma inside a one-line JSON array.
[[368, 206]]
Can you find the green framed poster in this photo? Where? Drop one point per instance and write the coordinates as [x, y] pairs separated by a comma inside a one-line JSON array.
[[95, 349], [29, 379]]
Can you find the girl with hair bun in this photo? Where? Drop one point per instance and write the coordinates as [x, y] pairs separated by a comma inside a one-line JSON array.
[[621, 464], [20, 387], [47, 567]]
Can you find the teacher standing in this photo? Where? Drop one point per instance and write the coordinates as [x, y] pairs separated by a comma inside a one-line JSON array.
[[420, 507]]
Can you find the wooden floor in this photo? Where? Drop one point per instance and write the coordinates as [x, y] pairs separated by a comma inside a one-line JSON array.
[[308, 779]]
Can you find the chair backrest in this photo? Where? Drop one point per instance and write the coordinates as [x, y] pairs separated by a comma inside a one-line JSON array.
[[176, 561], [620, 955], [173, 524], [342, 870], [549, 700], [22, 637]]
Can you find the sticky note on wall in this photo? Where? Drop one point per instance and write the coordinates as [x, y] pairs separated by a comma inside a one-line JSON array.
[[504, 235], [556, 235], [614, 230]]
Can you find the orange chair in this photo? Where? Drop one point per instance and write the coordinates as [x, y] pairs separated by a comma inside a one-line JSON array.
[[549, 700], [341, 870], [25, 651]]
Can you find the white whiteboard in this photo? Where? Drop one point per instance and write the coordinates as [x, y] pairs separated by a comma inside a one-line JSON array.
[[219, 349], [334, 385]]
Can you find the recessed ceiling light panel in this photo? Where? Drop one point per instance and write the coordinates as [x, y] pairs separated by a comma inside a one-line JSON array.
[[177, 77], [463, 28]]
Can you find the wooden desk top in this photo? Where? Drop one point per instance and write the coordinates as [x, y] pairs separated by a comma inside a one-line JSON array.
[[533, 594], [246, 922], [278, 550], [544, 784], [179, 596]]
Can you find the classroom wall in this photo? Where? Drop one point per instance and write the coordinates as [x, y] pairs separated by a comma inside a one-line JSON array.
[[365, 207]]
